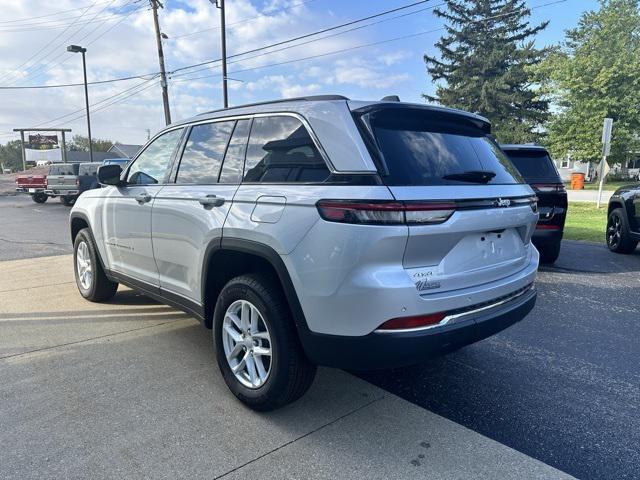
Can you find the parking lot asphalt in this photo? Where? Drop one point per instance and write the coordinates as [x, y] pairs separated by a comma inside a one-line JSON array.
[[129, 389], [135, 381], [563, 385], [29, 229]]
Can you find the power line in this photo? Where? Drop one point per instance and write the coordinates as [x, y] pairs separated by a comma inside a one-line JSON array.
[[356, 47], [51, 14], [283, 42], [8, 75], [244, 20]]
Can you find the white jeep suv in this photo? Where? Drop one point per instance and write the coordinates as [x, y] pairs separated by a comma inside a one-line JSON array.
[[317, 231]]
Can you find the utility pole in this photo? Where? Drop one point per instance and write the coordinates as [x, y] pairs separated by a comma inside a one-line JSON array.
[[606, 149], [163, 74], [223, 44]]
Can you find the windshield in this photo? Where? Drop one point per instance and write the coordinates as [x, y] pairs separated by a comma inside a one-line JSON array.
[[418, 150], [534, 165]]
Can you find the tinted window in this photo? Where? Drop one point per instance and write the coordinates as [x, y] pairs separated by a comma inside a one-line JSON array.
[[281, 150], [64, 169], [534, 164], [203, 154], [152, 164], [234, 158], [88, 169], [418, 150]]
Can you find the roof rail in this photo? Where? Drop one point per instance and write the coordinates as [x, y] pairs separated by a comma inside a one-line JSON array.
[[282, 100]]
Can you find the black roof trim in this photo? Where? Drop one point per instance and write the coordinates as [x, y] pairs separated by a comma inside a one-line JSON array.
[[311, 98]]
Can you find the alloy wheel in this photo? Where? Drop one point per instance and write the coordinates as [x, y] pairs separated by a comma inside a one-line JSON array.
[[247, 344], [83, 265], [614, 231]]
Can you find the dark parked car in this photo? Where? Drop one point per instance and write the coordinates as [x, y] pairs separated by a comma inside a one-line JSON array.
[[537, 168], [623, 223]]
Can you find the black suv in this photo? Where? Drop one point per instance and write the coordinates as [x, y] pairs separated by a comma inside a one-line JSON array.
[[537, 168], [623, 224]]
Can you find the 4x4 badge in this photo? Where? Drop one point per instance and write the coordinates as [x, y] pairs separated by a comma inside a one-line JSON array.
[[502, 202]]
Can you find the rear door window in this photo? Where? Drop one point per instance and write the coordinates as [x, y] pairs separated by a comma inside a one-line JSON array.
[[234, 158], [88, 169], [282, 151], [203, 153], [534, 165], [417, 150]]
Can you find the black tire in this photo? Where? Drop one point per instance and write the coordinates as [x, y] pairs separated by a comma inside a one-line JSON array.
[[291, 374], [100, 288], [39, 197], [550, 252], [618, 235], [67, 201]]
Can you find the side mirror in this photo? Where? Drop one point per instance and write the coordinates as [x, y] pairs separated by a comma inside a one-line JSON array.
[[110, 175]]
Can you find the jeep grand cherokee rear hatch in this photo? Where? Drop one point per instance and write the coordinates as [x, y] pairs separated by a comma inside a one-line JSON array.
[[433, 156]]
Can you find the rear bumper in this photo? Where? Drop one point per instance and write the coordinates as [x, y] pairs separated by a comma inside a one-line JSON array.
[[379, 350], [30, 190], [545, 237], [66, 193]]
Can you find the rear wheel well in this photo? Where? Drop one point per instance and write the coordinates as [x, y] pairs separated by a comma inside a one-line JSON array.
[[613, 206], [77, 224], [225, 264]]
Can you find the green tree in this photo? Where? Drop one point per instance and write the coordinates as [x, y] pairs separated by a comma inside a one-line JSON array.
[[81, 143], [596, 74], [485, 62], [11, 155]]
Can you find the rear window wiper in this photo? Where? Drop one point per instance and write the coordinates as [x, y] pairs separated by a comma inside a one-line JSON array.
[[476, 176]]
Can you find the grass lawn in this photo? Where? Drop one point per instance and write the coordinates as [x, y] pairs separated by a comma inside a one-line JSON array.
[[607, 185], [585, 222]]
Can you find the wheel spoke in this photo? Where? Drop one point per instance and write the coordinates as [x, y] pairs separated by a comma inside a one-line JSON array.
[[236, 321], [236, 350], [241, 364], [245, 316], [262, 373], [232, 333], [262, 351], [253, 328], [251, 370], [261, 335]]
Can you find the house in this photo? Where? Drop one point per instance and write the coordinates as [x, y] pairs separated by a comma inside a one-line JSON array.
[[567, 166], [124, 150]]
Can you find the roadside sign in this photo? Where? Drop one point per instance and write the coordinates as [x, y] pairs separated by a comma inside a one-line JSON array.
[[606, 136]]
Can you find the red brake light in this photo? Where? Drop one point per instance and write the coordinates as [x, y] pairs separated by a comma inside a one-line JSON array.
[[542, 226], [385, 212], [549, 187], [413, 322]]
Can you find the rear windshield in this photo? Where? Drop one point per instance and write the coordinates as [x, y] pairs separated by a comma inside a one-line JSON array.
[[416, 149], [64, 169], [534, 164], [90, 169]]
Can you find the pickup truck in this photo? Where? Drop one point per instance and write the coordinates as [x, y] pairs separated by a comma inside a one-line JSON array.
[[63, 181], [34, 185], [69, 180]]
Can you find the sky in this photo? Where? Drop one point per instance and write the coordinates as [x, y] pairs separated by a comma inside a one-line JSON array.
[[367, 60]]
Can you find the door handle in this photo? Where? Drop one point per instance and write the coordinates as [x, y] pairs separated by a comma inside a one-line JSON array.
[[143, 198], [211, 201]]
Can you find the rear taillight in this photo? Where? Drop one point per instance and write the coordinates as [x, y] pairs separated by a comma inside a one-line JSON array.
[[418, 321], [46, 182], [77, 182], [549, 187], [385, 212]]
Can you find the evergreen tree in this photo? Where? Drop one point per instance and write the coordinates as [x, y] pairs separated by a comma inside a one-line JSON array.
[[485, 62]]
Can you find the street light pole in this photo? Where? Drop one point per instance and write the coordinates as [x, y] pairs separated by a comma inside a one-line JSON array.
[[223, 45], [78, 49]]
